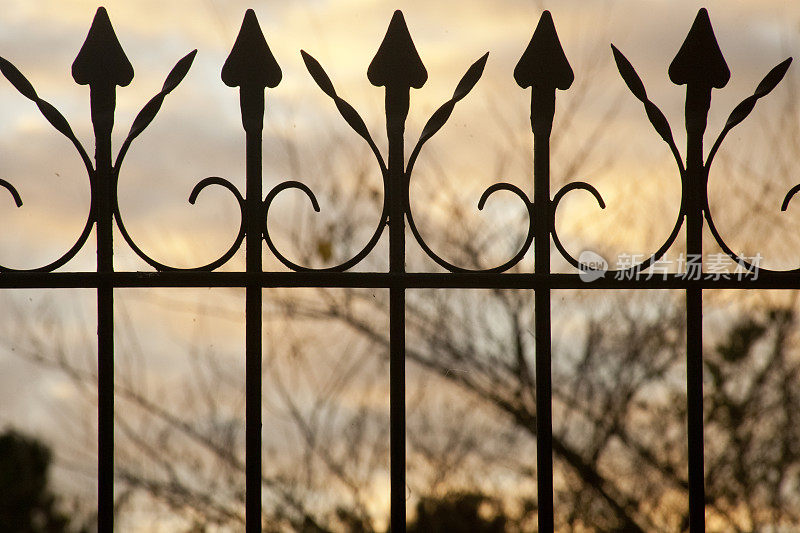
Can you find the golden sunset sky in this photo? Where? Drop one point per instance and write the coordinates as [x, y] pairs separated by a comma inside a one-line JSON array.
[[198, 132]]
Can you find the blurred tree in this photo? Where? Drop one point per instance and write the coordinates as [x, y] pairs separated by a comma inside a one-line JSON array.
[[458, 513], [26, 503], [618, 403], [618, 397]]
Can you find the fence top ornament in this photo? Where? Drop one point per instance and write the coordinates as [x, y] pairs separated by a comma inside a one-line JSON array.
[[251, 61], [397, 62], [101, 58], [699, 60], [544, 63], [102, 64]]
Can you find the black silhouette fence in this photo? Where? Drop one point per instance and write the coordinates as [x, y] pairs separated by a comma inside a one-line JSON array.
[[102, 64]]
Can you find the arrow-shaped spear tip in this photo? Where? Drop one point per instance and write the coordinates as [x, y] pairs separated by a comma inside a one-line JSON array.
[[544, 63], [101, 58], [700, 61], [397, 62], [251, 62]]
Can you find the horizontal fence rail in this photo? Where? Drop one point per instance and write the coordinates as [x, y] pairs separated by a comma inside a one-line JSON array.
[[386, 280], [251, 67]]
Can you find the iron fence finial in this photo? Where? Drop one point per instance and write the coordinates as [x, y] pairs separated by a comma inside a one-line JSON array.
[[544, 67], [101, 58], [544, 63], [699, 60], [397, 62], [251, 67], [251, 61]]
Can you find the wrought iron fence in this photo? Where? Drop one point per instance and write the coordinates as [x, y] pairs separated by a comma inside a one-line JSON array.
[[102, 65]]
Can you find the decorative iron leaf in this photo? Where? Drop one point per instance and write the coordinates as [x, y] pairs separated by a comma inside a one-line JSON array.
[[659, 121], [745, 107], [470, 78], [629, 75], [465, 85], [179, 71], [437, 120], [636, 86], [16, 78], [318, 74], [441, 115], [145, 116], [352, 117], [151, 108], [773, 77], [348, 112], [770, 81], [149, 111], [53, 116]]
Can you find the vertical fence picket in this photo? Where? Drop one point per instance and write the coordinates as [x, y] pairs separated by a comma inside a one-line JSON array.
[[543, 67], [397, 67], [252, 67], [700, 66], [101, 64]]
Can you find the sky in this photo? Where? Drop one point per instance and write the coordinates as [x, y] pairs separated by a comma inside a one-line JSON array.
[[198, 132], [200, 125]]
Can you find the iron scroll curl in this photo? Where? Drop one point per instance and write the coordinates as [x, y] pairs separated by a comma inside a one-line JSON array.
[[66, 256], [434, 124], [357, 258], [96, 51], [660, 124], [140, 123], [510, 263], [437, 120], [57, 120], [213, 265], [634, 269], [142, 120], [355, 121], [739, 113], [662, 127]]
